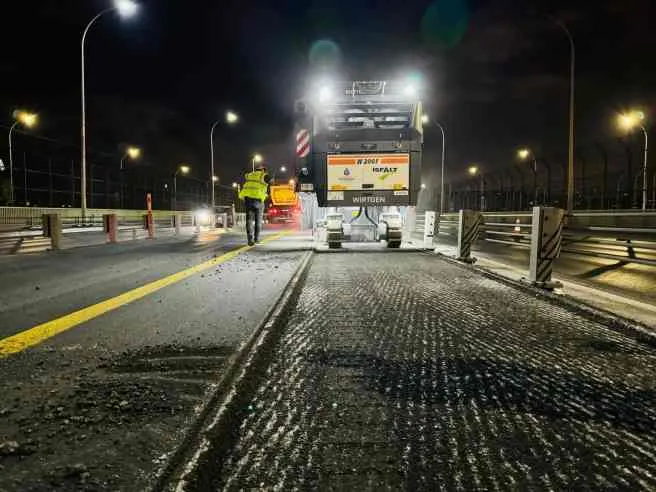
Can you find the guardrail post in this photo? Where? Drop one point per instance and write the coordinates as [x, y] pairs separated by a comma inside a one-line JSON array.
[[429, 227], [110, 222], [469, 225], [52, 228], [177, 220], [149, 225], [546, 238]]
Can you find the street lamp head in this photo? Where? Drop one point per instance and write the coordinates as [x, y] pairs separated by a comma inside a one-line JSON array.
[[26, 118], [257, 158], [126, 8], [523, 154], [215, 179], [423, 186], [630, 120], [134, 153], [231, 117], [283, 169], [473, 170], [184, 169], [235, 184], [425, 119]]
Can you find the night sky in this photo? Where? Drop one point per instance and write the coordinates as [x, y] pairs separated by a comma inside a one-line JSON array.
[[496, 72]]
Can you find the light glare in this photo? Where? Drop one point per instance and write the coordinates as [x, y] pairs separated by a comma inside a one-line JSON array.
[[184, 169], [630, 120], [410, 90], [26, 118], [325, 94], [134, 152], [232, 117], [473, 170], [126, 8]]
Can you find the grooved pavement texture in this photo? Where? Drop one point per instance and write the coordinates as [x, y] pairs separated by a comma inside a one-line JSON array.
[[411, 373]]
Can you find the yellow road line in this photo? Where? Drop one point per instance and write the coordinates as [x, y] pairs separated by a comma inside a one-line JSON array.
[[37, 334]]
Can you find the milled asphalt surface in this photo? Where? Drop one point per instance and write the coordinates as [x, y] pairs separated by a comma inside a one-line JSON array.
[[101, 406], [407, 372]]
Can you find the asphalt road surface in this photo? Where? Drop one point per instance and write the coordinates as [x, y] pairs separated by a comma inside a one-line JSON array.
[[424, 375], [395, 370], [100, 406]]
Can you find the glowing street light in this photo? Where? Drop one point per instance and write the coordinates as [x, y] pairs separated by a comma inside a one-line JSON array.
[[133, 153], [628, 122], [125, 9], [230, 118], [425, 119], [474, 171], [215, 179], [28, 120], [235, 184], [257, 159], [283, 169], [523, 154], [423, 186], [526, 154], [184, 170]]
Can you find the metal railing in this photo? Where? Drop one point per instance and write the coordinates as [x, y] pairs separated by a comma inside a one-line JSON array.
[[624, 236], [21, 228]]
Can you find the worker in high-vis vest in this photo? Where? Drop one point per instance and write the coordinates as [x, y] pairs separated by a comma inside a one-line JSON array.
[[254, 194]]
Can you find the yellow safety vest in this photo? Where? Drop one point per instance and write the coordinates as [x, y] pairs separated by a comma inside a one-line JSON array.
[[255, 186]]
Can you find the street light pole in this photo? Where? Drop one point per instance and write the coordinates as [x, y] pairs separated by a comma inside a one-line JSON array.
[[644, 169], [11, 164], [124, 8], [443, 158], [570, 152], [83, 174], [212, 161]]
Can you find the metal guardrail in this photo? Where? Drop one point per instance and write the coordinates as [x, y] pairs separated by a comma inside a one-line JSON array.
[[21, 227], [625, 236]]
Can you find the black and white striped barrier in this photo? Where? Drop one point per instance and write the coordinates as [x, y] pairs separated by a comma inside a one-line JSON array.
[[546, 239], [469, 225]]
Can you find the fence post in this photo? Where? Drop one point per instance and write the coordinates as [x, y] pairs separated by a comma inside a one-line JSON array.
[[52, 228], [469, 224], [546, 238], [110, 222]]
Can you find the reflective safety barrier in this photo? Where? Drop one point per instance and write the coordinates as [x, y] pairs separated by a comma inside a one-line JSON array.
[[546, 241], [469, 225], [622, 236]]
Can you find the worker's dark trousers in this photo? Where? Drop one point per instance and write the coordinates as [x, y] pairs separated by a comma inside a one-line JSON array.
[[253, 218]]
